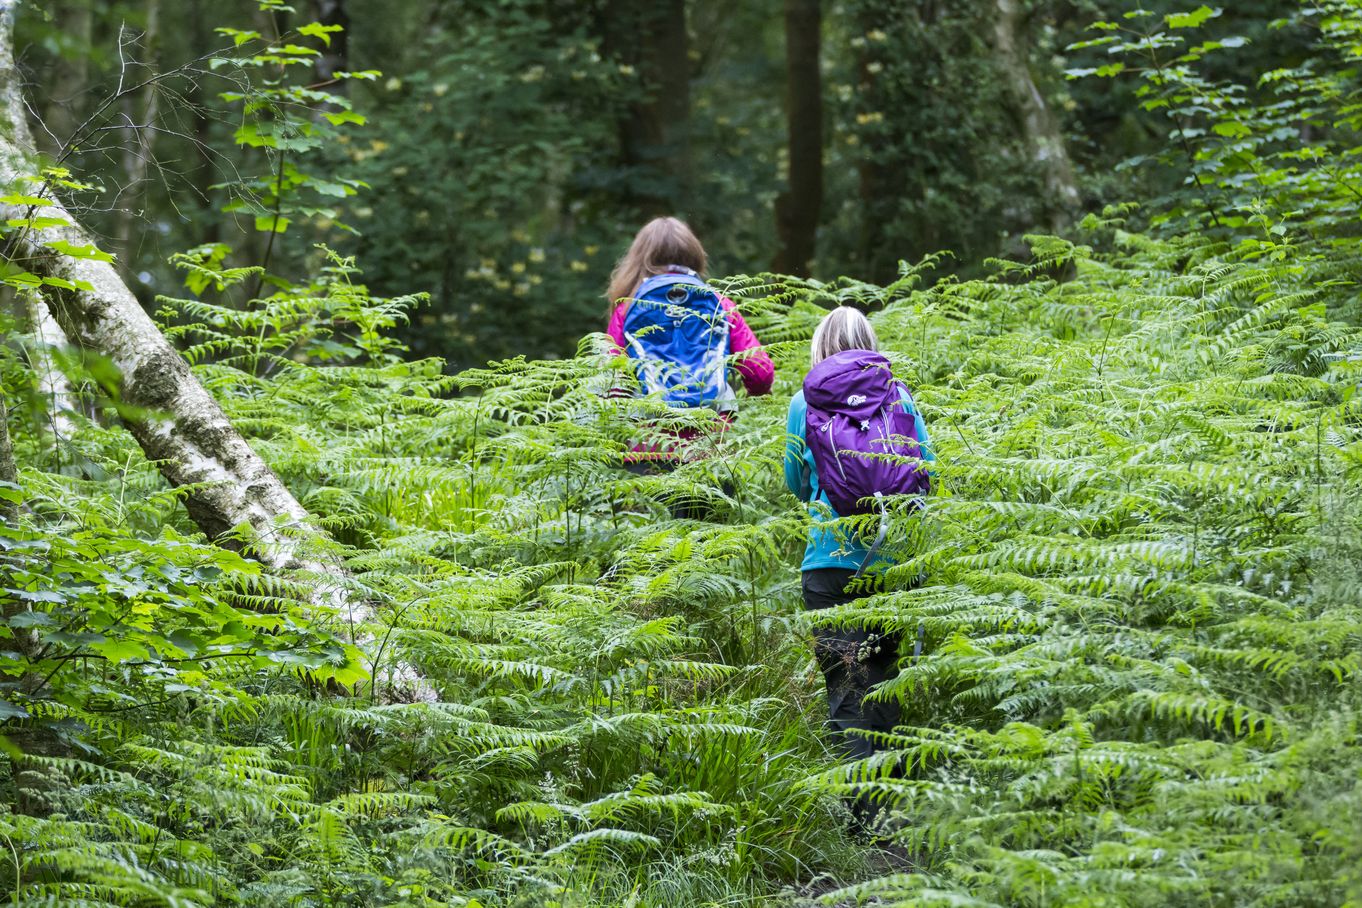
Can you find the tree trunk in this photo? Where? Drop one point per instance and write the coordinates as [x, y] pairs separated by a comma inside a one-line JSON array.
[[56, 390], [192, 442], [336, 56], [798, 208], [70, 76], [184, 431], [22, 639], [203, 174], [1040, 130], [655, 133], [9, 510], [141, 134], [880, 187], [178, 424]]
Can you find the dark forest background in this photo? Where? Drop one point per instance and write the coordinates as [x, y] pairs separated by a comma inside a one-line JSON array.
[[511, 149]]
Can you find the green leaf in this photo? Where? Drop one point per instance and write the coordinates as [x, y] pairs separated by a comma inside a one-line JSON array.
[[186, 642], [49, 596], [238, 36], [345, 116], [37, 223], [349, 674], [24, 545], [15, 276], [318, 30], [1193, 19], [118, 650], [249, 134], [9, 711], [296, 50], [269, 223], [20, 199], [79, 252], [336, 189], [74, 638], [31, 619]]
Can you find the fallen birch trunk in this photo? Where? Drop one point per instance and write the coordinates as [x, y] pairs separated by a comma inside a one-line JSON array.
[[177, 423]]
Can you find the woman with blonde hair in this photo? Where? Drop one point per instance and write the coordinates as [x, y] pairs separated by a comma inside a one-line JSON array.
[[680, 331], [854, 437]]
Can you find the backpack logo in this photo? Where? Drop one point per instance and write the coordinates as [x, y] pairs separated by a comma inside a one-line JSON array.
[[856, 400]]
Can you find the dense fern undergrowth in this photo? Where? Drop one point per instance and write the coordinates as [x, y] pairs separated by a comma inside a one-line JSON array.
[[1141, 613]]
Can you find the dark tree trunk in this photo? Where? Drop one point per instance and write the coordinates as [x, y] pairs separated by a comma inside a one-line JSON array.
[[799, 206], [879, 189], [336, 56], [209, 228], [655, 130], [140, 115], [70, 78]]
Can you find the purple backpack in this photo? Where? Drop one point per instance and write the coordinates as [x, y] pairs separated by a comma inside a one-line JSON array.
[[855, 413]]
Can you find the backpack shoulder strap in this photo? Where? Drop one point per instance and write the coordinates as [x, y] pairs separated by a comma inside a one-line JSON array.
[[907, 397], [666, 280], [879, 537]]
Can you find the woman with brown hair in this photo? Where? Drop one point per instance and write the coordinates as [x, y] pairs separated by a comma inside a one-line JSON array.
[[679, 331]]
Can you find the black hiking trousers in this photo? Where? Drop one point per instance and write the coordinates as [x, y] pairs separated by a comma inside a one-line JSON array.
[[853, 661]]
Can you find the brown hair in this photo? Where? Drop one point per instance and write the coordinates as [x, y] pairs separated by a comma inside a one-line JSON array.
[[661, 242]]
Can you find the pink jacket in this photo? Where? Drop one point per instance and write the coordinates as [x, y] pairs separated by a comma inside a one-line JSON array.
[[756, 368]]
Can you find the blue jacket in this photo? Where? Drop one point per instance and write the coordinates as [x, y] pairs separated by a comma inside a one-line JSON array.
[[829, 547]]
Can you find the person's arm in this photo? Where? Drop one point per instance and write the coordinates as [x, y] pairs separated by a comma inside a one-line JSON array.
[[619, 386], [920, 425], [616, 329], [796, 467], [755, 366]]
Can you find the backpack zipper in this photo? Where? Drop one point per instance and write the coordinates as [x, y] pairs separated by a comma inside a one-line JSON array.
[[836, 455]]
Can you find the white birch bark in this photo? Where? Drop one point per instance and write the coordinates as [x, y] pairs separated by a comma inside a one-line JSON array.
[[9, 471], [178, 424], [52, 383]]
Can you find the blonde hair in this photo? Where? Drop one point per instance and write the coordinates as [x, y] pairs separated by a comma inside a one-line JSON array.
[[661, 243], [844, 328]]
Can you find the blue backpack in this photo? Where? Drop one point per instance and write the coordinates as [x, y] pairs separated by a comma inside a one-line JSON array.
[[677, 332]]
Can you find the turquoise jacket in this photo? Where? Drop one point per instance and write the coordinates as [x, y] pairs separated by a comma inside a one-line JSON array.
[[829, 547]]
